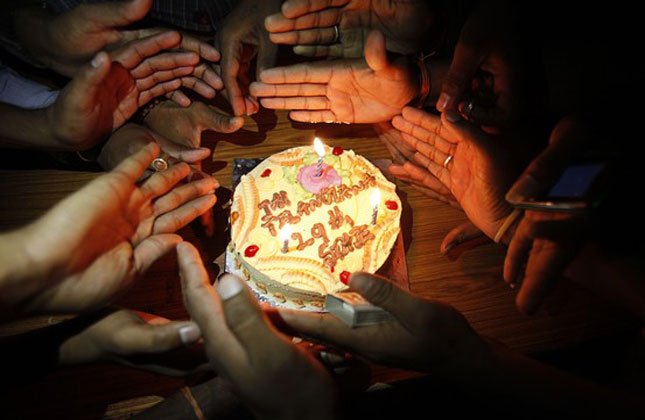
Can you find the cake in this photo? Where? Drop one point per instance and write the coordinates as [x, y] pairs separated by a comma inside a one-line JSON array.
[[317, 210]]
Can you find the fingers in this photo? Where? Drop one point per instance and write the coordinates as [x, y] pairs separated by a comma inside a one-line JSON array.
[[134, 166], [323, 327], [465, 63], [203, 305], [267, 52], [123, 13], [462, 238], [136, 51], [183, 194], [162, 182], [436, 169], [307, 102], [151, 249], [87, 83], [319, 72], [165, 61], [209, 76], [429, 122], [278, 24], [218, 122], [197, 85], [313, 116], [180, 217], [494, 116], [178, 97], [292, 9], [319, 36], [231, 67], [426, 179], [335, 50], [244, 317], [160, 77], [146, 338], [518, 251], [260, 89], [203, 49], [159, 90], [375, 53]]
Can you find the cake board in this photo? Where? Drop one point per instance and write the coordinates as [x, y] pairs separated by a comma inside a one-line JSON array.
[[395, 267]]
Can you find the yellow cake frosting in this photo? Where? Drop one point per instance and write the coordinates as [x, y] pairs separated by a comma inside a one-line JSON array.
[[332, 234]]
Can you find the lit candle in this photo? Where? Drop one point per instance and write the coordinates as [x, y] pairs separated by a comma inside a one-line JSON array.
[[285, 234], [320, 149], [375, 199]]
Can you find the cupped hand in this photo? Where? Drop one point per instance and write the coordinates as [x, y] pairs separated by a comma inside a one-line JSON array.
[[265, 368], [471, 164], [106, 94], [240, 38], [124, 336], [309, 26], [425, 335], [96, 242], [350, 91]]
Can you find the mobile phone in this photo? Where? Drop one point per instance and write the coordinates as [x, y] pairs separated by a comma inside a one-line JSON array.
[[581, 187]]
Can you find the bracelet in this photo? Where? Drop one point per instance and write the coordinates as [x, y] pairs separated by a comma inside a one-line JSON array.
[[507, 224], [424, 80], [143, 112], [191, 400]]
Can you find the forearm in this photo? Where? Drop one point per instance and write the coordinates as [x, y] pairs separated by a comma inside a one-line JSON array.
[[503, 378], [28, 129]]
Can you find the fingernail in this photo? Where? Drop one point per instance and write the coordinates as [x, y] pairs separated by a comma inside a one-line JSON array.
[[189, 334], [217, 184], [525, 187], [449, 247], [443, 102], [331, 358], [97, 61], [511, 285], [228, 286], [452, 116]]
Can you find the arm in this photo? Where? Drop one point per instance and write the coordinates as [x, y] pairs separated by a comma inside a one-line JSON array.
[[29, 129]]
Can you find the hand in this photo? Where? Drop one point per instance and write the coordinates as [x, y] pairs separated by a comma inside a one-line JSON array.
[[309, 26], [488, 47], [123, 336], [240, 37], [105, 94], [349, 91], [183, 127], [426, 335], [265, 368], [545, 242], [97, 241], [479, 172]]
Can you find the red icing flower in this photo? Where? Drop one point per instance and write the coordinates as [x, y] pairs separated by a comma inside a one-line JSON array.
[[251, 250], [266, 173], [337, 151], [392, 205], [344, 277]]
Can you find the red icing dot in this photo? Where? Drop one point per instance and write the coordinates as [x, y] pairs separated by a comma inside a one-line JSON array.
[[266, 173], [344, 277], [332, 269], [392, 205], [251, 250], [337, 151]]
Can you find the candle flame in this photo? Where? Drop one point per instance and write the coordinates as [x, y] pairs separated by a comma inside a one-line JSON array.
[[319, 147], [375, 198], [285, 233]]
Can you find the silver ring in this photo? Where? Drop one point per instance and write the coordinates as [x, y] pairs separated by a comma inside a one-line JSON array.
[[468, 108], [160, 163], [336, 34], [447, 161]]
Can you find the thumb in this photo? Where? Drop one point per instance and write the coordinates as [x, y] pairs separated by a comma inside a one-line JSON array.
[[463, 130], [115, 14], [267, 52], [464, 65], [244, 316], [375, 52], [220, 123], [567, 138], [382, 292], [87, 82]]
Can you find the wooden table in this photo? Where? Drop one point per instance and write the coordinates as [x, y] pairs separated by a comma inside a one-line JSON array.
[[473, 284]]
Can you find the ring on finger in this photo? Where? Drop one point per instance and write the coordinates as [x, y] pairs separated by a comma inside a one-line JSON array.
[[160, 163], [336, 34], [447, 161], [468, 109]]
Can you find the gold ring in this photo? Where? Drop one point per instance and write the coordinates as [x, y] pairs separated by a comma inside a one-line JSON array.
[[160, 163], [336, 34], [447, 161]]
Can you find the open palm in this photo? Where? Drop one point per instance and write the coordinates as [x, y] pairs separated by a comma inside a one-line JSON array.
[[309, 26], [98, 240], [479, 172], [349, 91]]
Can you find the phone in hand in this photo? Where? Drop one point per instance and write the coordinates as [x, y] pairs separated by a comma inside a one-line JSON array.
[[580, 188]]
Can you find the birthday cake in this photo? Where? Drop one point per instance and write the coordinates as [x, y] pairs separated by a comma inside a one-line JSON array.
[[301, 224]]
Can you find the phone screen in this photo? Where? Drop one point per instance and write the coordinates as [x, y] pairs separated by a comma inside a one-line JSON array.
[[576, 181]]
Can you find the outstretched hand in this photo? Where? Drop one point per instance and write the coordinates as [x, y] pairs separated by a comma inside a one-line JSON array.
[[97, 241], [309, 26], [349, 91]]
